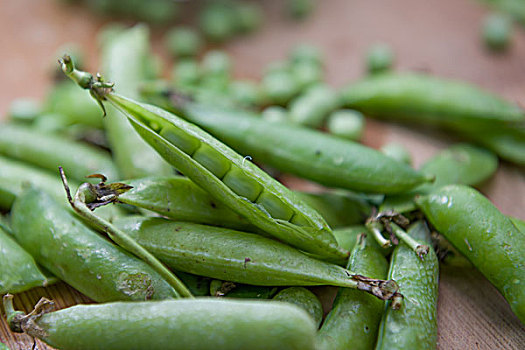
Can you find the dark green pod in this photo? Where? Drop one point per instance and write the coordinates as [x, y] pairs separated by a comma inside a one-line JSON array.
[[80, 257], [202, 324], [304, 299], [317, 156], [354, 320], [486, 237], [414, 325], [18, 269], [50, 151], [180, 199], [231, 255], [229, 289], [125, 57], [420, 98]]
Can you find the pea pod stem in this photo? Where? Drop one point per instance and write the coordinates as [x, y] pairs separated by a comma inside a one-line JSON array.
[[19, 322], [420, 249], [80, 202], [374, 227]]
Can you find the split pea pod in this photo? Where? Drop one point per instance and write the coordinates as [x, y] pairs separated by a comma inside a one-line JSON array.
[[486, 237], [18, 270], [203, 324], [220, 171], [235, 256], [180, 199], [125, 57], [419, 98], [414, 325], [49, 151], [354, 320], [80, 257], [313, 155]]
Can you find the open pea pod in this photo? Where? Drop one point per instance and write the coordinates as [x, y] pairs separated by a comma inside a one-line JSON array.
[[232, 179]]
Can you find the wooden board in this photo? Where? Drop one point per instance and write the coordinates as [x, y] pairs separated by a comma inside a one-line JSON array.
[[439, 36]]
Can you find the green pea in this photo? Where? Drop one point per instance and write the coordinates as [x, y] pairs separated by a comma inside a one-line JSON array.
[[217, 21], [299, 9], [186, 73], [124, 58], [379, 58], [347, 124], [304, 299], [414, 325], [487, 238], [310, 154], [245, 93], [50, 151], [174, 324], [155, 12], [314, 106], [305, 53], [18, 269], [229, 255], [497, 32], [280, 86], [24, 110], [248, 16], [307, 74], [183, 42], [275, 114], [80, 257], [398, 152], [452, 104], [354, 319]]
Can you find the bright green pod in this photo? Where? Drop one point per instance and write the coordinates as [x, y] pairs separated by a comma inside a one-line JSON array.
[[203, 324], [414, 325], [245, 93], [24, 110], [398, 152], [18, 269], [314, 106], [405, 97], [304, 152], [280, 86], [354, 320], [304, 299], [124, 58], [459, 164], [275, 114], [520, 224], [347, 124], [50, 151], [307, 74], [80, 257], [486, 237], [229, 255], [244, 188]]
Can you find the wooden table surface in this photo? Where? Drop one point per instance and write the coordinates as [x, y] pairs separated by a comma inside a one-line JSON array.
[[438, 36]]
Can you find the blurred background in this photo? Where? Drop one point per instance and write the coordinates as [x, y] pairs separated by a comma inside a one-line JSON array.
[[480, 42]]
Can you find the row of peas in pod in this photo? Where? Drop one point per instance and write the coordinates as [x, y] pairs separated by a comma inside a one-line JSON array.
[[189, 239]]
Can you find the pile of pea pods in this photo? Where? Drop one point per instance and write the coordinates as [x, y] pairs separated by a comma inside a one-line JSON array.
[[185, 239]]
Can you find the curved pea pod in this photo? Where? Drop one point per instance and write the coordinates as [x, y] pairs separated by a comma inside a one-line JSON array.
[[80, 257], [230, 255], [354, 320], [520, 224], [50, 151], [414, 325], [313, 155], [486, 237], [420, 98], [459, 164], [203, 324], [232, 179], [180, 199], [18, 269], [304, 299], [125, 57]]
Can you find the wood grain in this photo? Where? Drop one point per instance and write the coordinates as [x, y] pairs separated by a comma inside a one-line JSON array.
[[439, 36]]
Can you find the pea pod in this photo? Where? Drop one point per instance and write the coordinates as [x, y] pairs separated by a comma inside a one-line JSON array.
[[50, 151], [520, 224], [180, 199], [80, 257], [406, 97], [414, 325], [172, 324], [125, 57], [355, 317], [307, 153], [234, 256], [18, 269], [229, 289], [486, 237], [304, 299]]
